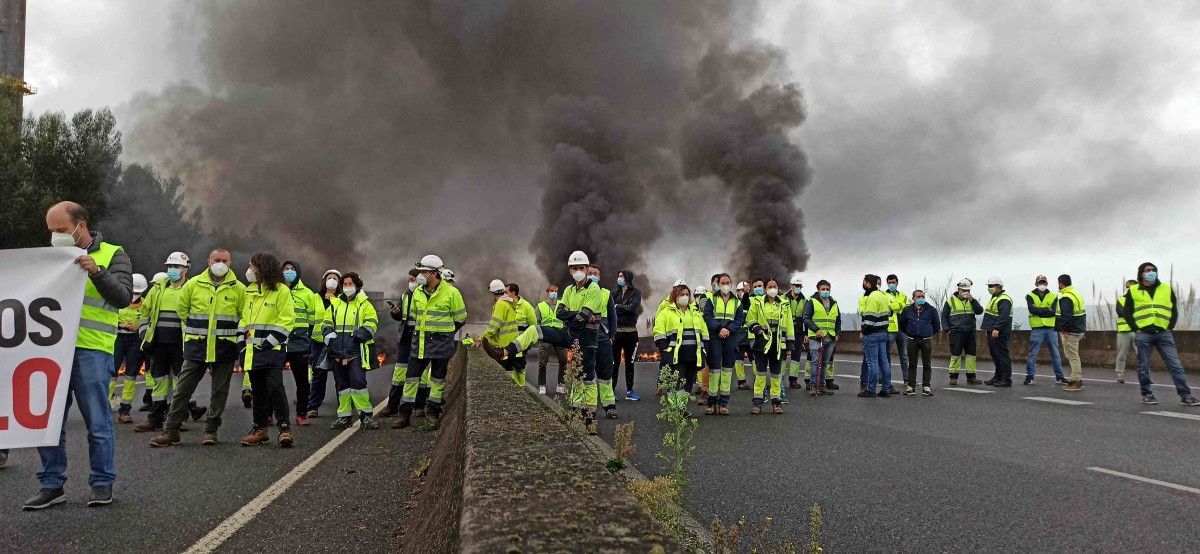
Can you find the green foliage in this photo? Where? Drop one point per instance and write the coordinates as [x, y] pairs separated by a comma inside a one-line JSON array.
[[681, 427], [573, 382], [661, 497], [615, 465]]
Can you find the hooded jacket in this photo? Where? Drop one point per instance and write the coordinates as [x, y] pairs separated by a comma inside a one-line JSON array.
[[305, 303], [627, 301]]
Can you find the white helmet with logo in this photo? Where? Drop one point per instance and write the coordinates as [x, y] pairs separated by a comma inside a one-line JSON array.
[[139, 283], [995, 281], [448, 274], [496, 286], [701, 290], [431, 262], [797, 281], [965, 284], [679, 283], [178, 258], [578, 258]]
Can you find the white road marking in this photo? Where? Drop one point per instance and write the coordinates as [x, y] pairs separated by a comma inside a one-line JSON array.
[[1183, 488], [976, 391], [1133, 380], [1057, 400], [240, 518], [1193, 417]]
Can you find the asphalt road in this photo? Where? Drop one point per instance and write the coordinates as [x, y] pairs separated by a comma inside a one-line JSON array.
[[167, 499], [959, 471]]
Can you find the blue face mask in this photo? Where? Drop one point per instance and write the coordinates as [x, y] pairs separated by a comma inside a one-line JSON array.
[[920, 301], [174, 273], [620, 281], [758, 291], [594, 278], [824, 294], [554, 295], [891, 288], [1151, 276], [289, 275]]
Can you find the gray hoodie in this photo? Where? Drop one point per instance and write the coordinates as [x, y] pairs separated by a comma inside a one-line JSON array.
[[115, 284]]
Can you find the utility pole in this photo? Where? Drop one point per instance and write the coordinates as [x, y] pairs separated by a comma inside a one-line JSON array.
[[13, 87]]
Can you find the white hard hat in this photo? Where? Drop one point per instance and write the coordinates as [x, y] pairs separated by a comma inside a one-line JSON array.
[[742, 284], [158, 277], [333, 271], [995, 281], [448, 274], [578, 258], [430, 262], [178, 258], [679, 283], [796, 280], [496, 286], [139, 283], [701, 289], [965, 283]]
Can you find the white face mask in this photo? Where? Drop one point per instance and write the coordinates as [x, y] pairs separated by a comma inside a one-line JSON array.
[[219, 269], [772, 292], [578, 276], [349, 291], [63, 240], [412, 285], [726, 288], [422, 280], [1043, 288], [331, 284], [682, 301], [250, 276]]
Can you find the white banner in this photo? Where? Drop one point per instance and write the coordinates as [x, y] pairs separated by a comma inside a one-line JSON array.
[[41, 291]]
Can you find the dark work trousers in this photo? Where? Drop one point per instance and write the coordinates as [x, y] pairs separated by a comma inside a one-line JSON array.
[[768, 367], [545, 351], [168, 360], [924, 348], [396, 393], [193, 371], [722, 353], [128, 352], [687, 368], [298, 361], [320, 378], [962, 343], [438, 369], [266, 383], [998, 348], [624, 347], [606, 370]]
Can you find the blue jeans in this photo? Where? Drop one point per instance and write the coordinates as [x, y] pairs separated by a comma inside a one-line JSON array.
[[1037, 337], [901, 342], [1165, 341], [875, 350], [90, 373]]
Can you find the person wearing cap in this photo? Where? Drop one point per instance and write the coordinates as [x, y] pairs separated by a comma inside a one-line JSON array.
[[331, 284], [210, 306], [1041, 302], [1070, 320], [128, 349], [547, 311], [797, 366], [958, 319], [997, 326], [502, 329], [1124, 334], [627, 299], [163, 339], [899, 302], [1152, 314], [438, 312]]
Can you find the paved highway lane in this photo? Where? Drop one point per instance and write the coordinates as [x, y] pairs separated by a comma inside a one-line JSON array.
[[167, 499]]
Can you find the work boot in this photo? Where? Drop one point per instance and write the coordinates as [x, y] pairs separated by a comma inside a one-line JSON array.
[[1005, 384], [589, 420], [124, 418], [418, 412], [776, 408], [366, 421], [256, 436], [247, 398], [385, 413], [286, 439], [742, 385], [808, 385], [146, 427], [341, 423], [793, 383], [884, 393], [312, 414], [1073, 386], [610, 413], [831, 385], [494, 352], [196, 410], [993, 382], [166, 438], [972, 380], [756, 409], [402, 421], [954, 379], [702, 399], [864, 393], [723, 409], [209, 439], [710, 410]]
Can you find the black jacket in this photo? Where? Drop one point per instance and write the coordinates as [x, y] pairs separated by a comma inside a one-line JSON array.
[[627, 301], [1128, 312]]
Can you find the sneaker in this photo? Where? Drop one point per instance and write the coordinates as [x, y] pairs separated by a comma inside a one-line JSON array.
[[45, 499], [1005, 383], [302, 421], [1189, 400], [560, 389], [247, 398], [101, 496], [312, 414], [1059, 379], [209, 439], [542, 390], [884, 393], [866, 394], [909, 391], [831, 385], [256, 436], [1120, 380], [366, 421], [1029, 380], [926, 391], [146, 427], [286, 439], [166, 438], [1149, 399], [742, 385], [610, 413], [633, 396], [784, 400]]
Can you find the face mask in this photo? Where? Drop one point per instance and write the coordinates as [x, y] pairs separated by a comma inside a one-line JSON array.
[[553, 295], [174, 273], [824, 294], [620, 281], [250, 276], [725, 289], [412, 285], [1043, 288], [289, 275], [578, 276], [758, 291], [963, 293], [994, 291], [219, 269], [349, 291], [422, 280], [331, 284], [594, 278], [682, 301], [63, 240], [772, 292], [920, 301], [1151, 276], [891, 288]]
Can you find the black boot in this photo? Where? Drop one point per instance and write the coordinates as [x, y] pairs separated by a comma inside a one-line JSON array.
[[147, 401], [196, 411]]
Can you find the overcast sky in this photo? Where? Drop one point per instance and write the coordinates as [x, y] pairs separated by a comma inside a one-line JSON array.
[[947, 138]]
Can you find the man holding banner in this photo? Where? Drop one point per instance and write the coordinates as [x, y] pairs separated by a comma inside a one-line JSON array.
[[109, 288]]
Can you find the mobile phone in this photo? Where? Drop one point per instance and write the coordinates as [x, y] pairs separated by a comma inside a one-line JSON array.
[[390, 304]]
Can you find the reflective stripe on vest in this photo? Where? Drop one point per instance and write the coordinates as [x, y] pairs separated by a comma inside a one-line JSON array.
[[993, 308], [1049, 301], [1152, 311], [98, 319], [1076, 302], [1122, 325], [824, 320], [725, 310]]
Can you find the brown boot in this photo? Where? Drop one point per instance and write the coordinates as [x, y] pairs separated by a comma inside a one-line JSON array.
[[312, 414], [777, 408], [404, 420], [1073, 386], [257, 436], [711, 410], [724, 410], [209, 439], [166, 438], [124, 418], [146, 427], [972, 380], [757, 409], [589, 419], [286, 439], [385, 412], [419, 412]]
